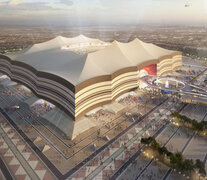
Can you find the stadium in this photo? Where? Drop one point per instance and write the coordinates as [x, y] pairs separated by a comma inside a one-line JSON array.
[[79, 74]]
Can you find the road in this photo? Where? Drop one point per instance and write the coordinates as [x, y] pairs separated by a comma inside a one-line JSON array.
[[7, 101], [128, 144]]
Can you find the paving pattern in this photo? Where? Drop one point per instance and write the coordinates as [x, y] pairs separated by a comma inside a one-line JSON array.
[[115, 155], [151, 171], [21, 161], [24, 163]]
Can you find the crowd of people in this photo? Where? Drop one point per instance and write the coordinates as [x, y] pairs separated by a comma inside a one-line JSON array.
[[41, 108], [128, 101], [24, 91], [4, 78], [102, 116]]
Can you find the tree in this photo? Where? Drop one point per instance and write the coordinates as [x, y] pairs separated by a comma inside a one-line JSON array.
[[188, 165], [176, 160], [179, 157], [148, 140], [200, 166], [169, 154], [162, 150], [173, 160], [155, 145], [199, 127]]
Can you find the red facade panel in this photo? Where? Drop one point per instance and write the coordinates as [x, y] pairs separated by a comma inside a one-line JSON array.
[[151, 69]]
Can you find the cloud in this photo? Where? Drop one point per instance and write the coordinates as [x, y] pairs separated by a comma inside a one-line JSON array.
[[34, 5], [66, 2], [116, 3], [101, 12], [22, 5], [15, 2]]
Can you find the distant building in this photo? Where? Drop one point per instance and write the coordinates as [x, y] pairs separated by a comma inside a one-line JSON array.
[[79, 74]]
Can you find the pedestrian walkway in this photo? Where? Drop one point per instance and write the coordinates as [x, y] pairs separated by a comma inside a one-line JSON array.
[[117, 153], [20, 159]]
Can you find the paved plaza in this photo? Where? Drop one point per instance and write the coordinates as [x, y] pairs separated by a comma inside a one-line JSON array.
[[32, 148]]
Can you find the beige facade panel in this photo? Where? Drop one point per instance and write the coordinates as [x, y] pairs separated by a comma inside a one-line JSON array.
[[80, 82], [105, 92]]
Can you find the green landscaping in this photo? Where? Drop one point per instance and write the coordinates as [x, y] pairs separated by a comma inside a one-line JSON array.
[[200, 127], [3, 51], [174, 160]]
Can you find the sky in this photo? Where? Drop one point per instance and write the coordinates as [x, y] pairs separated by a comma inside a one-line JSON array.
[[103, 12]]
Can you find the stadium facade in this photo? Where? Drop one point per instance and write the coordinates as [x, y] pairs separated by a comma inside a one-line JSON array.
[[79, 74]]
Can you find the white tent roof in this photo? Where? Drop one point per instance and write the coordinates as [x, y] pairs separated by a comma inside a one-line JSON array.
[[76, 68]]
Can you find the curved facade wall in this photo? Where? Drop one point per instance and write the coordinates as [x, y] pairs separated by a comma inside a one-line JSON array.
[[45, 85], [103, 90], [78, 100]]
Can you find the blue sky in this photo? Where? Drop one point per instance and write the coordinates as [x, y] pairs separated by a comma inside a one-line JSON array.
[[102, 12]]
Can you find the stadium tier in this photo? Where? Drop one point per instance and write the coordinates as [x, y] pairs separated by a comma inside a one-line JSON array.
[[79, 74]]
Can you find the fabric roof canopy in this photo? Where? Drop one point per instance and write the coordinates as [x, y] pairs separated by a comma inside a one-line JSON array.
[[76, 68]]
